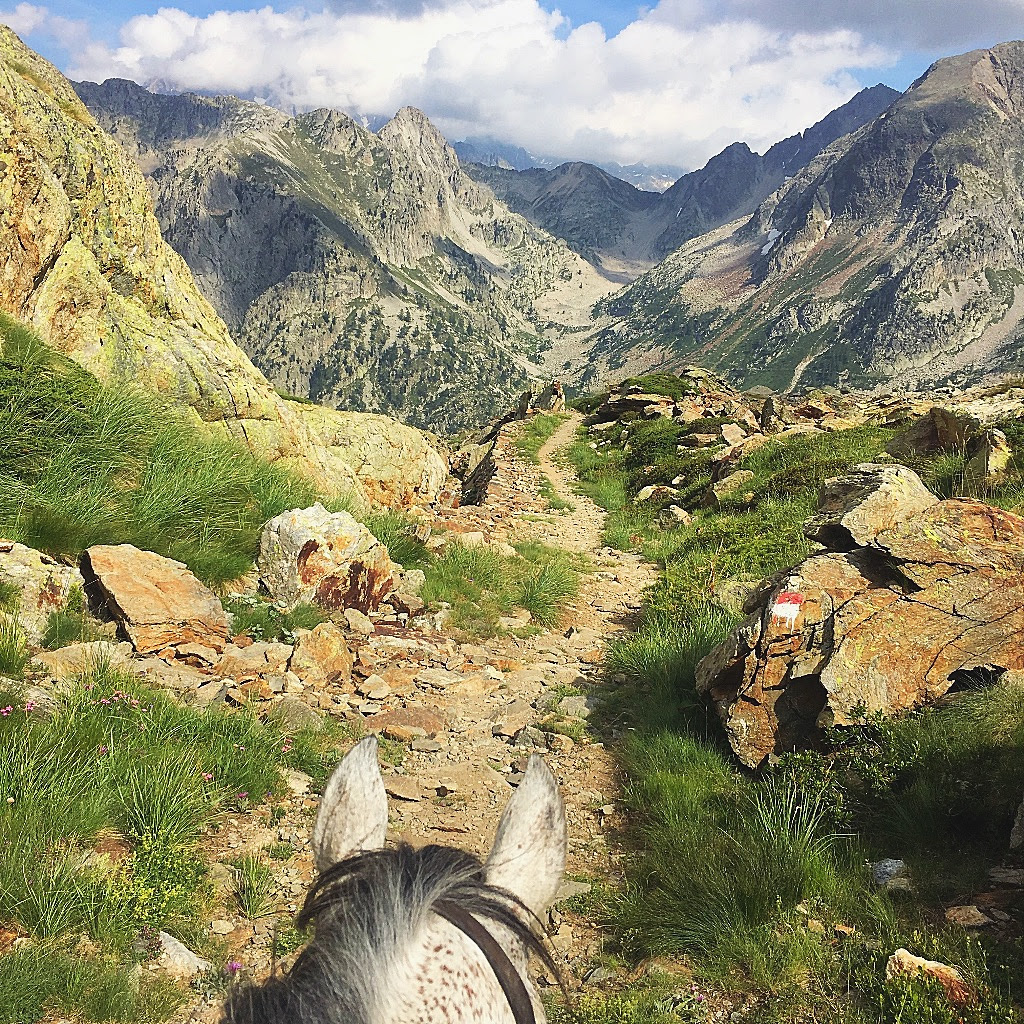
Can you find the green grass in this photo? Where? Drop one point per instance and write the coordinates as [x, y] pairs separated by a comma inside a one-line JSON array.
[[42, 980], [14, 652], [724, 869], [71, 624], [254, 886], [104, 801], [259, 619], [536, 432], [481, 584], [84, 464]]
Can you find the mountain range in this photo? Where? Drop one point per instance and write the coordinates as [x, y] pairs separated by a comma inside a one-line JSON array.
[[623, 228], [373, 271], [897, 254], [363, 271], [493, 153]]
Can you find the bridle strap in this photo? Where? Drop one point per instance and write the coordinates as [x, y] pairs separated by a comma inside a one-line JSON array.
[[511, 981]]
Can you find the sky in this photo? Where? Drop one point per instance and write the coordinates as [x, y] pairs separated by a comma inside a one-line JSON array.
[[670, 83]]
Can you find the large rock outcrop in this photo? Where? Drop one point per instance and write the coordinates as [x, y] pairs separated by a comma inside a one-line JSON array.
[[83, 262], [393, 464], [885, 623]]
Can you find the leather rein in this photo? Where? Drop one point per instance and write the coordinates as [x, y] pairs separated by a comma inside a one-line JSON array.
[[516, 993]]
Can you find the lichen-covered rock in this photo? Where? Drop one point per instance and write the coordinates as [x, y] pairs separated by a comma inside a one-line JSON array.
[[856, 507], [881, 628], [904, 964], [393, 464], [326, 558], [988, 456], [43, 585], [156, 601], [257, 659], [76, 659], [322, 657], [727, 485]]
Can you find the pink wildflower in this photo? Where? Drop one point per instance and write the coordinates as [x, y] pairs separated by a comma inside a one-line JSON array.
[[4, 712], [30, 705], [208, 776]]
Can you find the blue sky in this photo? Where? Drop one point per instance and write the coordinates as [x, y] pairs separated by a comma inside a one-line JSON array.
[[672, 82]]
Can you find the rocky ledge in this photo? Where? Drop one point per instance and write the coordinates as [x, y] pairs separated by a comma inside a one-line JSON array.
[[909, 597]]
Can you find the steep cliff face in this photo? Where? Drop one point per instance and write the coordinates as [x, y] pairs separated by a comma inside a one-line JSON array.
[[364, 271], [624, 228], [896, 253], [84, 263]]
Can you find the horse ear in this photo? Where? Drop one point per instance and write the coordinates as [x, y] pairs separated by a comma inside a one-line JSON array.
[[528, 855], [353, 813]]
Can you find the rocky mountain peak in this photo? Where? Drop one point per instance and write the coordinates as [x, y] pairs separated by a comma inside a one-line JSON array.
[[413, 136], [331, 130], [155, 119]]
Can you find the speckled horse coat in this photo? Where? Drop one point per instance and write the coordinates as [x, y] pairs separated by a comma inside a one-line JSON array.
[[390, 943]]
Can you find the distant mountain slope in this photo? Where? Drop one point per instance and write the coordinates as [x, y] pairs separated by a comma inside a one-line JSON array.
[[898, 252], [364, 271], [490, 152], [622, 227]]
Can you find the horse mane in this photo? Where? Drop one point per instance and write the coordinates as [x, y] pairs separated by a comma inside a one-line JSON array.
[[365, 910]]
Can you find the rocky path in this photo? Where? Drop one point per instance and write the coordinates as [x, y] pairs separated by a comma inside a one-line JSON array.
[[462, 718]]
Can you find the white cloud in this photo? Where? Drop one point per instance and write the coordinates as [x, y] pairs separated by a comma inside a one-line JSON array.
[[947, 25], [674, 86], [25, 18]]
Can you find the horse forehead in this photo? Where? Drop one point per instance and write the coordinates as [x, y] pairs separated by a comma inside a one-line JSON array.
[[446, 979]]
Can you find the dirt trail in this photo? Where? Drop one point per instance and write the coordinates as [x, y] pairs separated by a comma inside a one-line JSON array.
[[581, 529], [465, 715]]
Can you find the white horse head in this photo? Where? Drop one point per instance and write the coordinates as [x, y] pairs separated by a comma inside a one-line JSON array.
[[426, 936]]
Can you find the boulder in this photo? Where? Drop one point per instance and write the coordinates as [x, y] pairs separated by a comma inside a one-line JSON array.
[[881, 628], [732, 434], [938, 430], [903, 963], [257, 659], [178, 959], [551, 399], [326, 558], [395, 465], [674, 516], [654, 492], [77, 659], [156, 601], [988, 456], [871, 498], [43, 585], [322, 657], [406, 723], [728, 485], [291, 715], [617, 406]]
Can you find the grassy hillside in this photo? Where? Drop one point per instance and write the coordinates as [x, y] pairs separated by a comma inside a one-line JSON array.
[[84, 464], [756, 886]]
